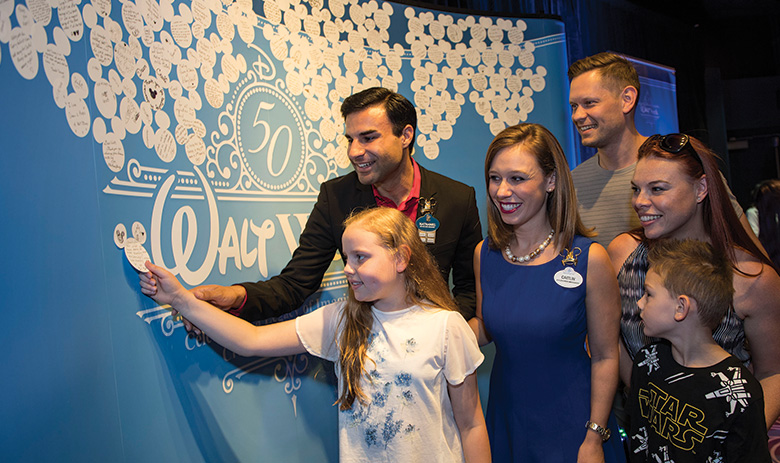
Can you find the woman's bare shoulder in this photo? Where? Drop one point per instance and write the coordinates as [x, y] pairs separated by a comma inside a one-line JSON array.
[[620, 248], [756, 285]]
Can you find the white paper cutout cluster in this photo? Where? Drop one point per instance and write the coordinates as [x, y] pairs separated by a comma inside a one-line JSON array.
[[487, 62], [154, 65]]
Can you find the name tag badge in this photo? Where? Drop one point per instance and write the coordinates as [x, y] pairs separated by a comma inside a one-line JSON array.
[[568, 278], [426, 227]]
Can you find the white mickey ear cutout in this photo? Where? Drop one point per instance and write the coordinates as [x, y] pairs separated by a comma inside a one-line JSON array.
[[139, 232], [120, 235], [136, 255]]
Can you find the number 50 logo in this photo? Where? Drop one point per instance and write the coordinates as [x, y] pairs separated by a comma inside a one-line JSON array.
[[270, 137]]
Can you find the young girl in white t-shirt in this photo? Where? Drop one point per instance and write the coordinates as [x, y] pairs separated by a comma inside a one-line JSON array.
[[405, 358]]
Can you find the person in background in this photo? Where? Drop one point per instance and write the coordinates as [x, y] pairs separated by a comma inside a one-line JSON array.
[[380, 130], [603, 95], [543, 287], [718, 412], [405, 358], [764, 217], [678, 193]]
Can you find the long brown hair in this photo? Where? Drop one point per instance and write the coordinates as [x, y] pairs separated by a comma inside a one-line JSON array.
[[424, 287], [561, 202], [720, 220]]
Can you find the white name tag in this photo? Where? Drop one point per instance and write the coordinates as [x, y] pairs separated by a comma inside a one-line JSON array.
[[568, 278]]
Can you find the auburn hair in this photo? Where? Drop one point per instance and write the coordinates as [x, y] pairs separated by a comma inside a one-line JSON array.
[[725, 231]]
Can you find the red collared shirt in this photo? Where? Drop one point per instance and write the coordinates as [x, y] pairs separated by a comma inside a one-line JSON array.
[[408, 207]]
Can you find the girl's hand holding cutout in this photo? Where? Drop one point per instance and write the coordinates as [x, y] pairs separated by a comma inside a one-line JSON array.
[[162, 286]]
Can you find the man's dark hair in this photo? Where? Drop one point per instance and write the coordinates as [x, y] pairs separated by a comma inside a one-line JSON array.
[[399, 110]]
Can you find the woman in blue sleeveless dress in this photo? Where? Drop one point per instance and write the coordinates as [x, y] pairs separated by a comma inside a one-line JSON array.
[[543, 288]]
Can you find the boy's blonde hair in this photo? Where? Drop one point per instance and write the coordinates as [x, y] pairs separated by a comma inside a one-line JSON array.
[[424, 286], [694, 269]]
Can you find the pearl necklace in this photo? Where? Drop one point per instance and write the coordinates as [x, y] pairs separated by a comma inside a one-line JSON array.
[[533, 253]]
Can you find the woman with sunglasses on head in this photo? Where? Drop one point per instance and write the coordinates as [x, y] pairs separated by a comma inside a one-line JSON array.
[[679, 194]]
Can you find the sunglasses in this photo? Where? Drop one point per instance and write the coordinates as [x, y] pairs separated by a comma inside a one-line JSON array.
[[673, 143]]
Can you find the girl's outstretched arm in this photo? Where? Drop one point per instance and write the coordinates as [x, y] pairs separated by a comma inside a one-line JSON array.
[[231, 332], [470, 420]]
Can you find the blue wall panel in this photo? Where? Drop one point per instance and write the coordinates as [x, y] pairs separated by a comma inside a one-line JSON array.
[[58, 387], [204, 131]]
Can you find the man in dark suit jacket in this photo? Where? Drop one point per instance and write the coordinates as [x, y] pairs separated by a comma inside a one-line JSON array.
[[380, 129]]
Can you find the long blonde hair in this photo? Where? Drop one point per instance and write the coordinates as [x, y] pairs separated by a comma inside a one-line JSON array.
[[424, 286], [561, 202]]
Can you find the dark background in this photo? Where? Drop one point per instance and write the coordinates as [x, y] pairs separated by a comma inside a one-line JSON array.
[[726, 54]]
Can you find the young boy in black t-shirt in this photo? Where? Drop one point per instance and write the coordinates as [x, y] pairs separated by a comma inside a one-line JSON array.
[[691, 401]]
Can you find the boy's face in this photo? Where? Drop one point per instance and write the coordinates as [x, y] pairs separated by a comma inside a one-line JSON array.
[[657, 306]]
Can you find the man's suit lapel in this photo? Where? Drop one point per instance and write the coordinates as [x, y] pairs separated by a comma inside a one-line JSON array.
[[365, 194]]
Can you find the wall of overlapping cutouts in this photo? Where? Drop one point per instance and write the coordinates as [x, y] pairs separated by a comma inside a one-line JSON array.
[[200, 132]]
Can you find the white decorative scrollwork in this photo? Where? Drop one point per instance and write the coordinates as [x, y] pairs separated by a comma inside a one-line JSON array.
[[207, 101], [162, 313], [286, 370]]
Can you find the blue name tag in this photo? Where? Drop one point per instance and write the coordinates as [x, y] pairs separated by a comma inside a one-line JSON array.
[[426, 227]]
